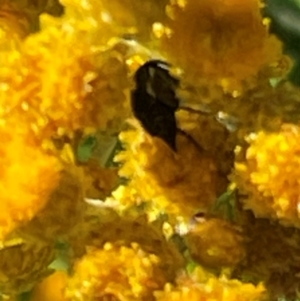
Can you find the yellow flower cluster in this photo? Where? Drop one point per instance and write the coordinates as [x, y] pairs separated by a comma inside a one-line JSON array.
[[222, 41], [202, 286], [116, 272], [43, 97], [58, 96], [269, 174], [199, 284], [62, 79], [129, 228]]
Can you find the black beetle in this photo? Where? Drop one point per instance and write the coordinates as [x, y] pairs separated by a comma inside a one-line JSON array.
[[154, 101]]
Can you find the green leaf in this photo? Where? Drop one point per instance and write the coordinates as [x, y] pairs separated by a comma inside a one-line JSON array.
[[225, 206]]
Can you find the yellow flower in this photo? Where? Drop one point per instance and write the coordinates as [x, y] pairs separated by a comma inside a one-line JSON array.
[[269, 173], [54, 88], [33, 90], [127, 229], [178, 183], [203, 286], [28, 177], [118, 272], [221, 41]]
